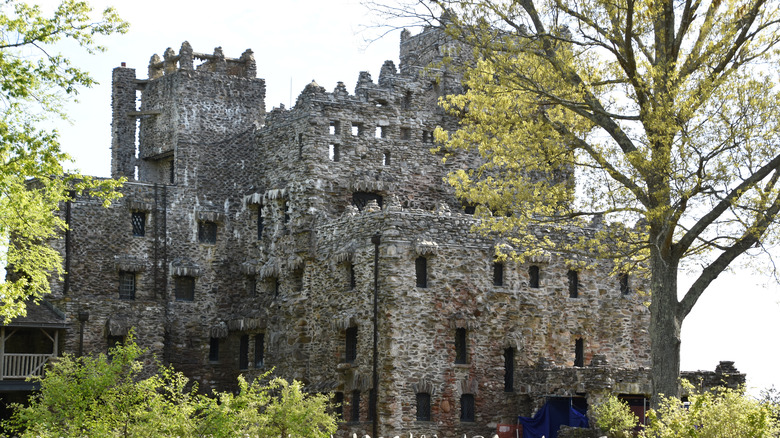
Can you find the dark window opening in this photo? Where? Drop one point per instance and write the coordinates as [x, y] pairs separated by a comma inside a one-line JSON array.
[[574, 284], [354, 412], [275, 286], [184, 288], [421, 270], [335, 127], [498, 274], [467, 407], [251, 285], [579, 353], [214, 350], [126, 285], [406, 133], [260, 224], [286, 209], [371, 405], [113, 342], [406, 102], [625, 286], [207, 232], [361, 199], [243, 352], [171, 172], [469, 209], [533, 276], [351, 340], [423, 406], [460, 345], [259, 350], [427, 136], [334, 153], [338, 401], [351, 273], [138, 219], [509, 369], [386, 159]]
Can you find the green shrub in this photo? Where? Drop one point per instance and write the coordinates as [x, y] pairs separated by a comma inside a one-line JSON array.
[[614, 417]]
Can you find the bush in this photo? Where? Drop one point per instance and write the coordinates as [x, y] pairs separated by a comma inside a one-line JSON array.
[[614, 417], [720, 413], [102, 397]]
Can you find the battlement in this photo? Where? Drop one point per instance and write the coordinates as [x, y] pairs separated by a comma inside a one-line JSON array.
[[245, 66]]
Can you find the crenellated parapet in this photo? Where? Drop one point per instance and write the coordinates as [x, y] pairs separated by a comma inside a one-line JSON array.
[[245, 66]]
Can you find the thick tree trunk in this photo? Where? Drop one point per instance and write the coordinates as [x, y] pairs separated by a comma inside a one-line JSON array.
[[664, 328]]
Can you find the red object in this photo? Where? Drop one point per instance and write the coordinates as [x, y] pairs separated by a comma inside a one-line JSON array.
[[509, 430]]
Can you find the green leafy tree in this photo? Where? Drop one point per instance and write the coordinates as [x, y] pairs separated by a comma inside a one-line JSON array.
[[98, 396], [35, 81], [614, 417], [666, 114], [720, 413]]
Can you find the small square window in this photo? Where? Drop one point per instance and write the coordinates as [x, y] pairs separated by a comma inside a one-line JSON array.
[[357, 129], [213, 349], [138, 219], [427, 136], [335, 127], [467, 407], [126, 285], [184, 288], [406, 134], [423, 406], [207, 232]]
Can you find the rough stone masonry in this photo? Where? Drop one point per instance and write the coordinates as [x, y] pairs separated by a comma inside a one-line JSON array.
[[244, 243]]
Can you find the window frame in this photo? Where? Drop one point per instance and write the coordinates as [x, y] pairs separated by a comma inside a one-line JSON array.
[[138, 222], [207, 232], [213, 350], [574, 283], [461, 346], [467, 408], [350, 344], [182, 282], [259, 359], [421, 272], [125, 275], [498, 274], [423, 406], [534, 277]]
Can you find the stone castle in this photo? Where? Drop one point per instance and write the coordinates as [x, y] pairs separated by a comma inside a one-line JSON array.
[[322, 242]]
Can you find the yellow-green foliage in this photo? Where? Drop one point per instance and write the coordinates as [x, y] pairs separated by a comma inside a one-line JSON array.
[[614, 417], [101, 397], [721, 413], [34, 82]]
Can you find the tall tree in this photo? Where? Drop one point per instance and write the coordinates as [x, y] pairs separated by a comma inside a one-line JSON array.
[[35, 80], [665, 113]]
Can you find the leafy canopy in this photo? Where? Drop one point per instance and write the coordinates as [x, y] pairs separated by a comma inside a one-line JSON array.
[[100, 397], [35, 81]]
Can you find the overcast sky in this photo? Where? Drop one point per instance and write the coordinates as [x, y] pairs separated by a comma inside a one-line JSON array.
[[296, 41]]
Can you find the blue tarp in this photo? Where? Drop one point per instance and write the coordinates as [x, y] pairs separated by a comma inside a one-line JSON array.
[[547, 421]]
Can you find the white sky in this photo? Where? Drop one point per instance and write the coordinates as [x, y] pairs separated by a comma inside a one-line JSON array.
[[295, 41]]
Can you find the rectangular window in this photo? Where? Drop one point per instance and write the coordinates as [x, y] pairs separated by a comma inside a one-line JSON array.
[[579, 353], [509, 369], [338, 400], [351, 340], [406, 133], [251, 285], [126, 285], [207, 232], [386, 159], [574, 284], [260, 224], [381, 131], [286, 210], [361, 199], [213, 349], [467, 407], [371, 404], [357, 129], [184, 288], [351, 273], [460, 345], [274, 283], [533, 276], [171, 172], [112, 342], [406, 102], [625, 286], [138, 218], [354, 414], [243, 352], [423, 406], [427, 136], [421, 269], [498, 274], [259, 350]]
